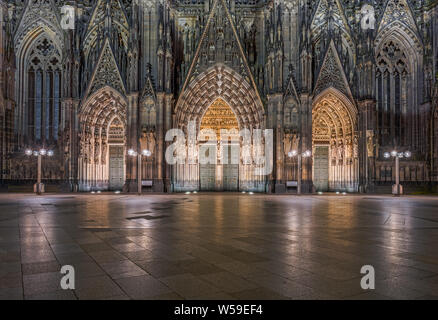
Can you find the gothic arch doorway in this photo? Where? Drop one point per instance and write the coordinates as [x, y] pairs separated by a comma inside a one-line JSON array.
[[223, 175], [219, 98], [335, 143], [102, 141]]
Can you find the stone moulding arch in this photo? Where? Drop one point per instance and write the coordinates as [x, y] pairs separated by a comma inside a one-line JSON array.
[[403, 35], [95, 108], [32, 29], [222, 82], [350, 106]]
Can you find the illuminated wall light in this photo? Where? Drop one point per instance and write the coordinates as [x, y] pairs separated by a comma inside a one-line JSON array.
[[292, 153]]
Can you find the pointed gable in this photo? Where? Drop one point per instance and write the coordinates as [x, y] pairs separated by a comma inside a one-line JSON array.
[[102, 10], [291, 87], [148, 89], [106, 72], [218, 45], [332, 74], [397, 11], [42, 14], [329, 11]]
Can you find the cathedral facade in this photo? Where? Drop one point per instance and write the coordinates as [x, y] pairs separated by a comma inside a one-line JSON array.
[[343, 82]]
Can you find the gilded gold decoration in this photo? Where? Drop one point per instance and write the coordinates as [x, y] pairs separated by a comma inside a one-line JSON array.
[[219, 116]]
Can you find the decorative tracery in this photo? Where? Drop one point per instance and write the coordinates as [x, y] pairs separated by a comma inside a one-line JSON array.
[[393, 77], [329, 23], [108, 21], [43, 79]]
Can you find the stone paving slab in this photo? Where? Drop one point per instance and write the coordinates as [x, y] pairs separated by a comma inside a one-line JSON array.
[[218, 246]]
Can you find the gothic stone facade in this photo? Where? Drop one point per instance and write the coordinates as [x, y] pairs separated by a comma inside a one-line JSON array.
[[130, 70]]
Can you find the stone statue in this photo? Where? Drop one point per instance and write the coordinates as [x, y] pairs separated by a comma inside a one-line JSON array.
[[287, 145], [370, 143], [341, 150], [151, 141], [104, 150], [334, 152], [295, 142], [355, 148]]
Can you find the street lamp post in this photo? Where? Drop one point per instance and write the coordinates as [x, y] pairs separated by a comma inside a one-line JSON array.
[[306, 154], [39, 186], [139, 155], [397, 189]]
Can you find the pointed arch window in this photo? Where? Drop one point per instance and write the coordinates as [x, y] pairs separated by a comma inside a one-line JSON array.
[[43, 73], [392, 80]]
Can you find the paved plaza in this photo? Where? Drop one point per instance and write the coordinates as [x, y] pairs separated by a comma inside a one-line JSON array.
[[218, 246]]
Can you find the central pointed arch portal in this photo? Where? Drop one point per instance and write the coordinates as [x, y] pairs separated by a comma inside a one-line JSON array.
[[219, 98]]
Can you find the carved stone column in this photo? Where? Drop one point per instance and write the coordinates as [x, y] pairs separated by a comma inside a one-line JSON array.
[[305, 116], [132, 142], [276, 123], [274, 104], [158, 185], [366, 141], [168, 107], [70, 153]]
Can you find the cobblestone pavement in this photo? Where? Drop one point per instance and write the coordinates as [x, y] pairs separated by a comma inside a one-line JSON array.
[[218, 246]]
